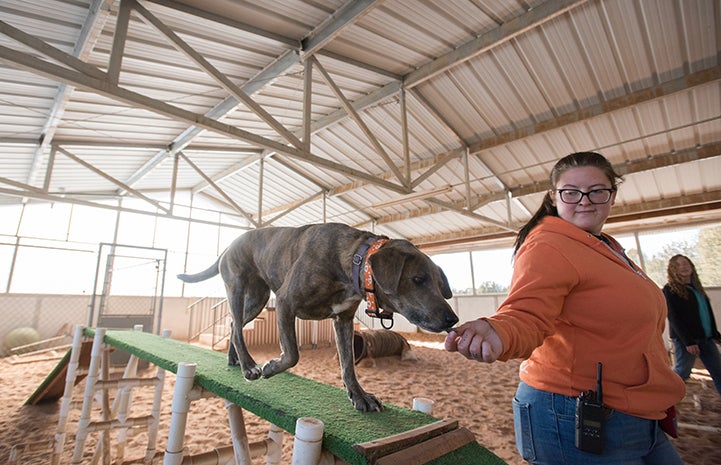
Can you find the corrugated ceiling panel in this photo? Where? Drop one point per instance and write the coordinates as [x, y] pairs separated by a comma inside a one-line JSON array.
[[15, 160], [427, 135], [59, 22], [594, 52], [119, 163], [347, 146]]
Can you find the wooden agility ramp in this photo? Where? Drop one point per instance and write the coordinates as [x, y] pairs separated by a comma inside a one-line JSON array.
[[394, 436]]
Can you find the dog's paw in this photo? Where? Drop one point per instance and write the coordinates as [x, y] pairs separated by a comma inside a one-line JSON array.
[[366, 402], [252, 373], [271, 368]]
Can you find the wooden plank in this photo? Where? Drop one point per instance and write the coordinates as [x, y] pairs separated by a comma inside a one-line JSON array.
[[387, 445], [430, 449], [53, 387]]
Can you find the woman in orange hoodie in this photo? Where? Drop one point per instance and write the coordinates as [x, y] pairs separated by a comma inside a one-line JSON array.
[[576, 302]]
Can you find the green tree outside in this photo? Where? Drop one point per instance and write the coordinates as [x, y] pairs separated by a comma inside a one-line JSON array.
[[705, 253]]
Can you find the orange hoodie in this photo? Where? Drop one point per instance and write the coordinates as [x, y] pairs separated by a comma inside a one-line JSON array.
[[575, 302]]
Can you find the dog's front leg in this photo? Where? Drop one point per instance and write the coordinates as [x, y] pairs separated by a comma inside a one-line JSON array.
[[288, 341], [360, 399]]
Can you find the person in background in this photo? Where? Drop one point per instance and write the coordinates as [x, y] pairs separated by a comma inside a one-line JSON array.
[[692, 325], [576, 300]]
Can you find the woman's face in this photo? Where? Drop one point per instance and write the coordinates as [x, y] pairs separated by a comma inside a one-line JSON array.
[[684, 270], [585, 215]]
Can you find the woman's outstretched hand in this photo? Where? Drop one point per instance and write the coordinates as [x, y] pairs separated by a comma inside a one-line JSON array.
[[475, 340]]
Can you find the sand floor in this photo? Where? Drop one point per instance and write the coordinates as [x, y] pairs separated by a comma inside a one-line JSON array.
[[478, 395]]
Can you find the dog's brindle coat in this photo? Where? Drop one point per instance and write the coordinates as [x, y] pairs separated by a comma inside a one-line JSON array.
[[310, 271]]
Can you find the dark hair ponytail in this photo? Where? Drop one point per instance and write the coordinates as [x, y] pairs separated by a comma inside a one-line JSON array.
[[573, 160], [546, 209]]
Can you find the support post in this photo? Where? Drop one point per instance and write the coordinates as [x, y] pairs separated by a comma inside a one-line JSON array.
[[423, 404], [92, 378], [275, 448], [308, 441], [238, 434], [66, 402], [155, 411], [123, 400], [179, 416]]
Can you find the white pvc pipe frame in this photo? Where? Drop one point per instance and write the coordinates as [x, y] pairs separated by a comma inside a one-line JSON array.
[[95, 382], [307, 446]]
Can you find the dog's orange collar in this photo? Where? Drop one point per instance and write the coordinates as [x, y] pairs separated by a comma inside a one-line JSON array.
[[369, 287]]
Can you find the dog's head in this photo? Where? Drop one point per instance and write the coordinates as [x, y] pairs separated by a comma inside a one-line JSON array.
[[408, 282]]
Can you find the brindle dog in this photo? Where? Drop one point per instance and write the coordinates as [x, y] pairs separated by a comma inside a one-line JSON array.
[[310, 270]]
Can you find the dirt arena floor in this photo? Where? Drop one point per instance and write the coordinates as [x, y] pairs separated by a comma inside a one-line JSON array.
[[478, 395]]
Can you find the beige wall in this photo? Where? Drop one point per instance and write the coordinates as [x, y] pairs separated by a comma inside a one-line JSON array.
[[53, 314]]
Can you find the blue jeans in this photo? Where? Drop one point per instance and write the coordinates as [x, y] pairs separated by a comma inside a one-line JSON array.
[[545, 434], [709, 355]]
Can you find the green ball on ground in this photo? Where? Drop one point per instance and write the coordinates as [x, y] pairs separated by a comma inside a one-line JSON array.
[[19, 337]]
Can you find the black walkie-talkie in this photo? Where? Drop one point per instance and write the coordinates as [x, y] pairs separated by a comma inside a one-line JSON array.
[[590, 418]]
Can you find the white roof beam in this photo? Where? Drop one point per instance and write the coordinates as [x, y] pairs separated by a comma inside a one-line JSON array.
[[351, 13], [534, 17], [103, 87], [279, 66], [214, 73], [644, 95], [98, 12], [346, 104]]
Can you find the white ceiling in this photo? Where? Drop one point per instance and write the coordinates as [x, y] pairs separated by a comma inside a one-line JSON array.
[[437, 121]]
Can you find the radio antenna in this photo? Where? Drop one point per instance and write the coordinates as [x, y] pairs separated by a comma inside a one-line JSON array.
[[599, 391]]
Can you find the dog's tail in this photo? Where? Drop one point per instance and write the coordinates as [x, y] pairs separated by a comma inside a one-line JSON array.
[[208, 273]]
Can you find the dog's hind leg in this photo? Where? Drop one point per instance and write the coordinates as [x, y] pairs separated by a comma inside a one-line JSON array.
[[289, 355], [245, 306], [361, 400]]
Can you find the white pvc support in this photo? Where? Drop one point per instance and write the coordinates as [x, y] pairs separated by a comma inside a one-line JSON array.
[[238, 434], [66, 402], [220, 456], [155, 411], [275, 447], [179, 413], [308, 441], [102, 447], [327, 458], [122, 402], [423, 404], [225, 455], [314, 334], [92, 378], [105, 408]]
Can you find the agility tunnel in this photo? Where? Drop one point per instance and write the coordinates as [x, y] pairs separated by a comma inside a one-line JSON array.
[[287, 401], [378, 343]]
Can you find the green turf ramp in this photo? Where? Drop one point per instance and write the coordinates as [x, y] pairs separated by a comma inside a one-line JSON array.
[[285, 397]]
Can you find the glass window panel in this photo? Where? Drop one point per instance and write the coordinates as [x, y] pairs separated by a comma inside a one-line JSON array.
[[6, 256], [46, 220], [492, 270], [90, 224], [136, 229], [10, 215], [53, 271], [457, 268]]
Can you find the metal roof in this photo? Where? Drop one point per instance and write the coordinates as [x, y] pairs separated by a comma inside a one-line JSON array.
[[437, 121]]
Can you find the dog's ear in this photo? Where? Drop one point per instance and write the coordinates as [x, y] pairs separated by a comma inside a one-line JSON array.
[[387, 265], [446, 291]]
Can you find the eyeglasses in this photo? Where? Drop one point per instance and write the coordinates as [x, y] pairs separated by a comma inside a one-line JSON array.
[[596, 196]]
